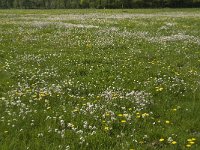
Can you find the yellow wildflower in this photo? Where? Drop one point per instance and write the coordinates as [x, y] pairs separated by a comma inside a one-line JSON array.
[[138, 116], [193, 139], [106, 128], [42, 94], [188, 145], [167, 121], [107, 114], [173, 142], [123, 121], [159, 89], [161, 140], [174, 109], [191, 142], [145, 115], [120, 115]]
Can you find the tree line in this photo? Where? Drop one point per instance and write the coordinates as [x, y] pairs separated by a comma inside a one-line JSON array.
[[53, 4]]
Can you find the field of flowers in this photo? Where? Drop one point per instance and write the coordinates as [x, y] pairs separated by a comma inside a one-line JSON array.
[[100, 79]]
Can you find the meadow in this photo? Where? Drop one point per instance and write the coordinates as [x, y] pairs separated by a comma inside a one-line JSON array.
[[100, 79]]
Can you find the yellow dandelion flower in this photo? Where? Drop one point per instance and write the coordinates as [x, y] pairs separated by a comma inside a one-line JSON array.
[[193, 139], [167, 121], [107, 114], [159, 89], [188, 145], [174, 109], [145, 115], [106, 128], [120, 115], [161, 140], [42, 94], [138, 116], [191, 142], [173, 142], [123, 121]]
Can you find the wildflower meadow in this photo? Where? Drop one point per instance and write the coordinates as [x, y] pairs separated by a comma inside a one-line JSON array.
[[100, 79]]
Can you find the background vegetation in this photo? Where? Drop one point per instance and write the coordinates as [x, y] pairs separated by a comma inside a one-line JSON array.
[[47, 4]]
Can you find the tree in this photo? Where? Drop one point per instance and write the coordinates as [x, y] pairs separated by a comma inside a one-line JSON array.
[[84, 3], [97, 3]]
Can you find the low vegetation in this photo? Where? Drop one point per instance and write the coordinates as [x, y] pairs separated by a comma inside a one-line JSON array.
[[106, 79]]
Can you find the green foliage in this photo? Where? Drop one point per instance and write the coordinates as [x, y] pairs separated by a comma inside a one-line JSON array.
[[97, 3]]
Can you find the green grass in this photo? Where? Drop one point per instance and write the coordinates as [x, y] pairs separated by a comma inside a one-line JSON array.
[[100, 79]]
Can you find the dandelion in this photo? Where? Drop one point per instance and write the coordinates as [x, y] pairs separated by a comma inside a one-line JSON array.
[[174, 109], [123, 121], [145, 115], [120, 115], [191, 142], [106, 128], [167, 121], [42, 94], [173, 142], [193, 139], [188, 145], [159, 89], [138, 116], [161, 140], [107, 114]]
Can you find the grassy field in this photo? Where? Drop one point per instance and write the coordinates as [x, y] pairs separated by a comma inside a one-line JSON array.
[[100, 79]]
